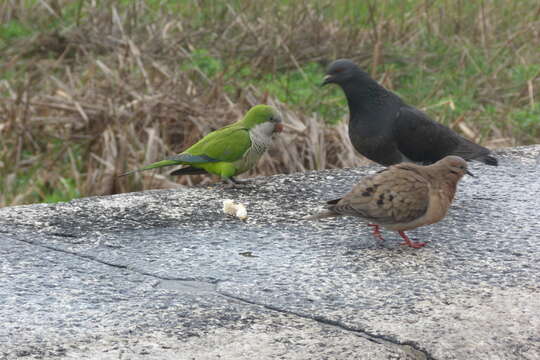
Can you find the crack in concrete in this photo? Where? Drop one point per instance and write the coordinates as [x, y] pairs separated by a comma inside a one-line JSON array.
[[194, 285], [108, 263], [414, 350]]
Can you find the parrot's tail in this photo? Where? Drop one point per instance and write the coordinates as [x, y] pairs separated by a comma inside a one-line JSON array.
[[152, 166], [190, 170]]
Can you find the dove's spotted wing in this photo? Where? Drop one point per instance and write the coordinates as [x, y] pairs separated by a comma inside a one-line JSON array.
[[394, 195]]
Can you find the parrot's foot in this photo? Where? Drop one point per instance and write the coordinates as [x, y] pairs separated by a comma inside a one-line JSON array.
[[240, 181], [410, 243], [376, 231], [231, 183]]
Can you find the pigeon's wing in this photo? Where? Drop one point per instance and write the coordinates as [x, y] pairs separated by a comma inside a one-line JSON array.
[[423, 140], [228, 144], [395, 195]]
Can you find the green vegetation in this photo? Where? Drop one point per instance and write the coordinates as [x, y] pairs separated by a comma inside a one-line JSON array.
[[87, 91], [12, 30]]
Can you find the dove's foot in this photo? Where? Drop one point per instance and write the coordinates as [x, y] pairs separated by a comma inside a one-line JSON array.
[[376, 231], [410, 243], [415, 245]]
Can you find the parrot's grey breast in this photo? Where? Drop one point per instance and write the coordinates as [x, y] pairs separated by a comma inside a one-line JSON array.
[[261, 140]]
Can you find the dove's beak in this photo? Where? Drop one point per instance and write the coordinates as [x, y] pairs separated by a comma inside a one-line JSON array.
[[469, 173], [328, 79], [278, 128]]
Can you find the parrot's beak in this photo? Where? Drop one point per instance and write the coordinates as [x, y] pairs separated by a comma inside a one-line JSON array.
[[328, 79], [278, 128], [469, 173]]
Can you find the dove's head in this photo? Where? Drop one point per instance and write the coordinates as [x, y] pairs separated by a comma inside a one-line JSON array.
[[341, 71], [454, 167]]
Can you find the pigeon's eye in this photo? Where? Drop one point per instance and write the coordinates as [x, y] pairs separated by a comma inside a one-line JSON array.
[[338, 70]]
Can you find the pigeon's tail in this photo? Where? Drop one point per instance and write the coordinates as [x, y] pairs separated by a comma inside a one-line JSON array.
[[489, 160], [190, 170], [486, 159], [471, 151], [322, 215]]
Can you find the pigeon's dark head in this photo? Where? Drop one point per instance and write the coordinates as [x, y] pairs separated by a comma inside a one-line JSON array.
[[341, 71]]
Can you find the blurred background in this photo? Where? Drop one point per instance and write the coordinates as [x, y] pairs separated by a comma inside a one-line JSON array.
[[92, 88]]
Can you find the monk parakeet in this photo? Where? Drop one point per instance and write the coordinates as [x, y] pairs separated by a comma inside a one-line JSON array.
[[228, 151]]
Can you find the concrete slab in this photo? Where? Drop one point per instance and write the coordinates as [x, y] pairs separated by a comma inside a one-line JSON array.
[[166, 275]]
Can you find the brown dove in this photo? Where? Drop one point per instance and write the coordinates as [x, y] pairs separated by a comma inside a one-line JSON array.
[[402, 197]]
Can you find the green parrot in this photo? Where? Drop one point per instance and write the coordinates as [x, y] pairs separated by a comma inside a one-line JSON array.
[[228, 151]]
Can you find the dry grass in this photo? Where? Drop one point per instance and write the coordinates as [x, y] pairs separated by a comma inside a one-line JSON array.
[[116, 86]]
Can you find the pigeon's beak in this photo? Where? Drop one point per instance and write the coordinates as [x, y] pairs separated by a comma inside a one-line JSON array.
[[469, 173], [328, 79], [278, 128]]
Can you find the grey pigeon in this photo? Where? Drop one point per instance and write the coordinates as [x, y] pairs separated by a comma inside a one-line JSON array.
[[386, 130], [402, 197]]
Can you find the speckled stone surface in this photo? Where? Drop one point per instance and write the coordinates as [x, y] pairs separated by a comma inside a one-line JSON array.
[[166, 275]]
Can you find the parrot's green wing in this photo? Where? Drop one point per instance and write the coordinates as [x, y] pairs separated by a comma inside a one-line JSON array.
[[228, 144], [188, 158]]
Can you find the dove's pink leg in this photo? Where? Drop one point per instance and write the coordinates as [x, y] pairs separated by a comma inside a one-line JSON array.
[[410, 243], [376, 231]]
